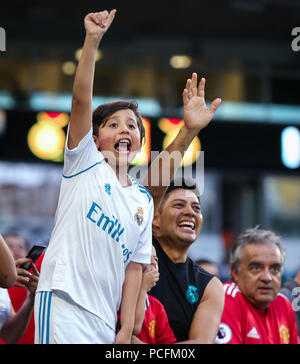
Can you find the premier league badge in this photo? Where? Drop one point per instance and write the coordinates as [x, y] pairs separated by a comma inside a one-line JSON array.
[[139, 216]]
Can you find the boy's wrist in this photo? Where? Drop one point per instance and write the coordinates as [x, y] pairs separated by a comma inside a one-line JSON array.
[[93, 39], [145, 288], [127, 328]]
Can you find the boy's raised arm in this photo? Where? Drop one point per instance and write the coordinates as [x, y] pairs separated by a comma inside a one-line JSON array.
[[196, 117], [96, 25]]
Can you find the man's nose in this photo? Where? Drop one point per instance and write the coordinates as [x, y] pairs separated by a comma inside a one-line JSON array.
[[266, 275], [188, 210]]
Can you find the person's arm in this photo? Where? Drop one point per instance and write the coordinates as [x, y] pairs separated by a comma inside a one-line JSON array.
[[136, 340], [8, 273], [18, 322], [130, 293], [206, 321], [196, 117], [140, 311], [150, 277], [96, 25]]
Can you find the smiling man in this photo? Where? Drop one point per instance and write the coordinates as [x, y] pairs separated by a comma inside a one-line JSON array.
[[254, 312], [192, 297]]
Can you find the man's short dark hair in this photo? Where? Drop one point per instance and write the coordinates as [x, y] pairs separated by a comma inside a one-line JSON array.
[[180, 183], [104, 111]]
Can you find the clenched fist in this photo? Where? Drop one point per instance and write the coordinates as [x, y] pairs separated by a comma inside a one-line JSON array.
[[97, 24]]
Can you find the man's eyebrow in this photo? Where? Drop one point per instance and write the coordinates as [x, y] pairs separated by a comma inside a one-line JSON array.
[[185, 201], [254, 262]]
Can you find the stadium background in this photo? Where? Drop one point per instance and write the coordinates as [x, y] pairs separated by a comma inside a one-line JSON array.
[[243, 48]]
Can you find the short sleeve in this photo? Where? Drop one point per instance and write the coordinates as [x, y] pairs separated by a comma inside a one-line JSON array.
[[142, 253], [81, 158]]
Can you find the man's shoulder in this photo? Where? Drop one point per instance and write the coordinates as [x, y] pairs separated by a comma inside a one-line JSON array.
[[232, 291], [197, 269], [281, 302], [235, 302], [141, 191]]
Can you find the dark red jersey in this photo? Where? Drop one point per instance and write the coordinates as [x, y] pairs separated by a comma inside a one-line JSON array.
[[156, 328]]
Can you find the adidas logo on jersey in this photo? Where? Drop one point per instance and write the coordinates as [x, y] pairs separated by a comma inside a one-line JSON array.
[[231, 289], [253, 333]]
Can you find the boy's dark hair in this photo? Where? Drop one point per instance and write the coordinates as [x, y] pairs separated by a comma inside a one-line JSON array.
[[182, 183], [104, 111]]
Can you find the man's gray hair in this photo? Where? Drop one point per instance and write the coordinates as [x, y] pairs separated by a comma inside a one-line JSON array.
[[251, 236]]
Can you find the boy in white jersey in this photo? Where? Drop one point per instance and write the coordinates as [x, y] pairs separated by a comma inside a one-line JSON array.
[[103, 220]]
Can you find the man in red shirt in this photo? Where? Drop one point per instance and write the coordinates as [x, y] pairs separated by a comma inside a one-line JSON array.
[[254, 312]]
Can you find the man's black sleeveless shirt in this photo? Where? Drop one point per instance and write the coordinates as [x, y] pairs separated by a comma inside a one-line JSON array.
[[180, 289]]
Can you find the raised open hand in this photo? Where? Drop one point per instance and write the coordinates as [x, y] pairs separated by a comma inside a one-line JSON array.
[[196, 114], [97, 24]]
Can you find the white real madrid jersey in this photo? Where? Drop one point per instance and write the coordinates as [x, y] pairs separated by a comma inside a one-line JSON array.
[[99, 228]]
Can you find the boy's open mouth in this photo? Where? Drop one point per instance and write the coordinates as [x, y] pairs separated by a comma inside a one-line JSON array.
[[123, 146]]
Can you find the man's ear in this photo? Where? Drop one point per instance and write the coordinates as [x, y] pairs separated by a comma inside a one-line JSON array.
[[234, 274], [156, 223]]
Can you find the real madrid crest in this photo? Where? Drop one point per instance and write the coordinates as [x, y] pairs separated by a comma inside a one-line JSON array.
[[139, 216]]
